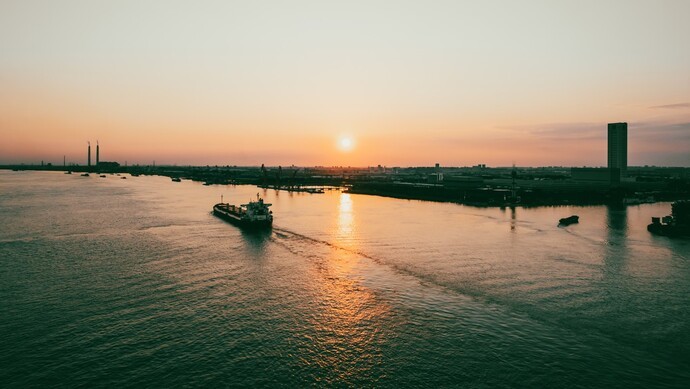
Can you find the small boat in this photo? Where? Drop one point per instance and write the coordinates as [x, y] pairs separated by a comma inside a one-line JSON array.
[[176, 179], [68, 172], [85, 175], [566, 221], [103, 176], [253, 215], [123, 178]]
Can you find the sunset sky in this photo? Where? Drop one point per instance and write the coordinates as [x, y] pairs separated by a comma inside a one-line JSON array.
[[407, 83]]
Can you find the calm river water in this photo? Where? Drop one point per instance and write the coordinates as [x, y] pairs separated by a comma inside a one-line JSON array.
[[130, 283]]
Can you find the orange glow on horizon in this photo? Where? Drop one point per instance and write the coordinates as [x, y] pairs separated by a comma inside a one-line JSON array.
[[228, 85]]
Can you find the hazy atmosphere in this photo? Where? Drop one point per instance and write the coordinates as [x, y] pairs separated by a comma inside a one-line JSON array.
[[389, 194], [356, 83]]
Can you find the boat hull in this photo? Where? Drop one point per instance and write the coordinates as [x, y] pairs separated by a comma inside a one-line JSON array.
[[566, 221], [668, 230]]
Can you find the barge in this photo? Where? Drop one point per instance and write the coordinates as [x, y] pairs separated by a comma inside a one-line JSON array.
[[253, 215]]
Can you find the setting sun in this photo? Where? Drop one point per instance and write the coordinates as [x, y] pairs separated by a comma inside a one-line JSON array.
[[346, 143]]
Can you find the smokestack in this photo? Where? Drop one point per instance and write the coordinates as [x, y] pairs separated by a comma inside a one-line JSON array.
[[97, 152], [89, 159]]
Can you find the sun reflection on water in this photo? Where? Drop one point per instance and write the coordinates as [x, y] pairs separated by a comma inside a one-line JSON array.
[[348, 322], [346, 220]]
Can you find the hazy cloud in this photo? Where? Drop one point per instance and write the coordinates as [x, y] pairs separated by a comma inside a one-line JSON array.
[[672, 106], [562, 131], [660, 132]]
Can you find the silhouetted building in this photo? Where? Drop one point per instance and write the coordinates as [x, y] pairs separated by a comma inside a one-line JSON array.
[[618, 150], [109, 165], [463, 181], [97, 153], [435, 178], [595, 174], [88, 161]]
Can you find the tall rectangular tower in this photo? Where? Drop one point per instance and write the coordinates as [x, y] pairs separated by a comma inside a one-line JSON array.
[[618, 149]]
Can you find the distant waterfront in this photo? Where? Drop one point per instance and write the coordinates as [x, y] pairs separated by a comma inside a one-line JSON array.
[[477, 185], [129, 283]]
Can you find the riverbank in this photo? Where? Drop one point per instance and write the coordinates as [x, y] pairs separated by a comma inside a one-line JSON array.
[[486, 187]]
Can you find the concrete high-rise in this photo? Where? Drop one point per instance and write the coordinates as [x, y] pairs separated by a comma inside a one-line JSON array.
[[618, 150]]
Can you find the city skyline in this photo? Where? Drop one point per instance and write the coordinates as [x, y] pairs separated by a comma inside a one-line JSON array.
[[357, 84]]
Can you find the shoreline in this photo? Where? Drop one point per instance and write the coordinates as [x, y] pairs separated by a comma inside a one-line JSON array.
[[475, 191]]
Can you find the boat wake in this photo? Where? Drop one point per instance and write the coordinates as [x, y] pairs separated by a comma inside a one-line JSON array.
[[466, 287], [484, 286], [285, 234]]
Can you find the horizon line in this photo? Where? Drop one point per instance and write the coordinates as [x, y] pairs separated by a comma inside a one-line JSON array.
[[4, 166]]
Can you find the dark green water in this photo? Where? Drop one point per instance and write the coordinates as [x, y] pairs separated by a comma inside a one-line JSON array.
[[133, 283]]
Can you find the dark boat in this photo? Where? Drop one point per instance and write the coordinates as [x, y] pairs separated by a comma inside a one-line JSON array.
[[566, 221], [85, 175], [675, 224], [176, 179], [103, 176], [253, 215]]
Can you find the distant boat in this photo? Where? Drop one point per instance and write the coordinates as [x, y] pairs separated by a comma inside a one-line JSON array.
[[176, 179], [566, 221], [253, 215], [123, 178], [68, 172], [85, 175]]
